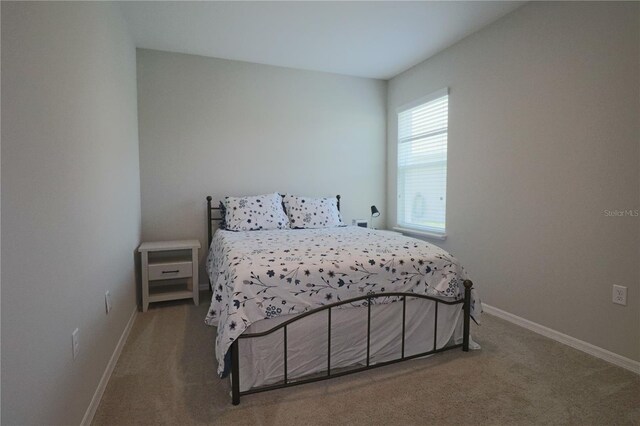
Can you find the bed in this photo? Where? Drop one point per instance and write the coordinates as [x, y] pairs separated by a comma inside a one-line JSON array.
[[293, 306]]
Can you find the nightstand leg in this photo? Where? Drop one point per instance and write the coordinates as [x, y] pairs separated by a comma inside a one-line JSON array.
[[195, 283], [145, 281]]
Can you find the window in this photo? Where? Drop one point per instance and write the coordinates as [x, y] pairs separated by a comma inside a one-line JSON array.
[[422, 164]]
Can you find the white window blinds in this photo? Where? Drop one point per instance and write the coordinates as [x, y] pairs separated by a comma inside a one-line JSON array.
[[422, 164]]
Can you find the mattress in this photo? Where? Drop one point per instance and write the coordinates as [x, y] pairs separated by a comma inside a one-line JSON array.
[[258, 275]]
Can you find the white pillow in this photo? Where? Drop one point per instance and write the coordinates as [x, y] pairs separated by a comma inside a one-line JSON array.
[[306, 212], [255, 213]]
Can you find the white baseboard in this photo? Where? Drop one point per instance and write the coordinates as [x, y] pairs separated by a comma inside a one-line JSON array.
[[102, 385], [598, 352]]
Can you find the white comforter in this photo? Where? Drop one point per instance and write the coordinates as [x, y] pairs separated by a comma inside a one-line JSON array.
[[264, 274]]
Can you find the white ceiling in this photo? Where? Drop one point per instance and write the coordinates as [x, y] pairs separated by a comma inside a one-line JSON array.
[[367, 39]]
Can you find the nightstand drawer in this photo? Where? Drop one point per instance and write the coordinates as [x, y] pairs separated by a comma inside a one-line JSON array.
[[167, 271]]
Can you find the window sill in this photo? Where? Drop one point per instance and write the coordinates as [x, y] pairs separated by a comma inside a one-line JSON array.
[[427, 234]]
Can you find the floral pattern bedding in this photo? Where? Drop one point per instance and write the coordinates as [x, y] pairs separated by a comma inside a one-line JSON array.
[[264, 274]]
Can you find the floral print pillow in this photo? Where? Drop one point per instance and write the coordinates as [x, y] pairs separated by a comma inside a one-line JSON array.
[[223, 213], [305, 212], [255, 213]]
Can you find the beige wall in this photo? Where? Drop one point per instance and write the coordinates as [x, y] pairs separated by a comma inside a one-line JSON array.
[[70, 203], [544, 135], [220, 127]]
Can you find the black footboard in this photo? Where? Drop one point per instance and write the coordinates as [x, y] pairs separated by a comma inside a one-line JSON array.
[[235, 355]]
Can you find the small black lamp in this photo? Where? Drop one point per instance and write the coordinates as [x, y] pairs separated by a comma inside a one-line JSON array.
[[374, 213]]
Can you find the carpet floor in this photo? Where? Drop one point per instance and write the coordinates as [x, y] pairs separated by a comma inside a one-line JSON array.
[[167, 375]]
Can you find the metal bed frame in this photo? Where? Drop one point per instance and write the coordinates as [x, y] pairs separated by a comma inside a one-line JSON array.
[[235, 349]]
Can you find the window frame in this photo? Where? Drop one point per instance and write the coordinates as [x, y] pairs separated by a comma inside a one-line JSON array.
[[419, 231]]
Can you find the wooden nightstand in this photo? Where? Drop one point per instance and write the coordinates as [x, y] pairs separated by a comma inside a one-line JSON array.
[[171, 267]]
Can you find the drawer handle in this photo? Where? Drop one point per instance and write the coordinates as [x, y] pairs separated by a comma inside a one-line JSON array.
[[171, 272]]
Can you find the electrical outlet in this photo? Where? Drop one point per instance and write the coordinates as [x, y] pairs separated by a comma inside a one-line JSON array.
[[620, 295], [75, 341], [107, 301]]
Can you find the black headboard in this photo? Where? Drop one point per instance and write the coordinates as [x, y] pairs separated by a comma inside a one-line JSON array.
[[210, 217]]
